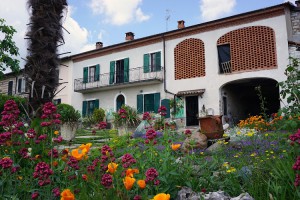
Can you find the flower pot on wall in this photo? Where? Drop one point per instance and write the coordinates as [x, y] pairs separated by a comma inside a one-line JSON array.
[[68, 131]]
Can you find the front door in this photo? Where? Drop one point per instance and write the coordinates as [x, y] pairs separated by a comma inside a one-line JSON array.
[[192, 110]]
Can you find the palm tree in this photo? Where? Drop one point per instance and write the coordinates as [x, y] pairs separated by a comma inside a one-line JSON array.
[[45, 35]]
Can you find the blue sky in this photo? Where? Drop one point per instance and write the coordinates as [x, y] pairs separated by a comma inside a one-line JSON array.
[[107, 21]]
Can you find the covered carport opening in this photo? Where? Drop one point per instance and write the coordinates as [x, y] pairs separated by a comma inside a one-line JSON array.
[[239, 99]]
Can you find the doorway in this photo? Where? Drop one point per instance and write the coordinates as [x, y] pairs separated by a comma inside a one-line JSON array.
[[120, 102], [192, 109], [120, 71]]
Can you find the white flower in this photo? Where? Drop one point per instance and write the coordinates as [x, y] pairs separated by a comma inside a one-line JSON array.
[[25, 125], [29, 149]]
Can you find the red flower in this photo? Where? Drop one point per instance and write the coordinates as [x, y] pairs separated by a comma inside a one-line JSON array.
[[102, 125], [35, 195], [6, 163], [151, 134], [106, 180]]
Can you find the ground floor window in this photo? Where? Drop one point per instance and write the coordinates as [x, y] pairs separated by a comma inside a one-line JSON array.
[[56, 101], [148, 102], [88, 107]]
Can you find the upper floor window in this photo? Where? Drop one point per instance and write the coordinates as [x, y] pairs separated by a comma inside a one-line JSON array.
[[152, 62], [119, 71], [21, 85], [10, 88], [91, 74], [224, 58]]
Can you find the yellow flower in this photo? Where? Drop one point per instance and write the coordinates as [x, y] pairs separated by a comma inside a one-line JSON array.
[[112, 167], [225, 135], [201, 153], [238, 133], [130, 172], [225, 164], [67, 195], [77, 155], [56, 132], [232, 169], [225, 142], [283, 151], [253, 154], [266, 134], [128, 182], [162, 196], [175, 146], [141, 184]]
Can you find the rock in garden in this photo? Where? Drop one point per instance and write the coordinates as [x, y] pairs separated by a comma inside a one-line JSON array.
[[214, 147], [219, 195], [243, 196], [187, 194], [195, 141]]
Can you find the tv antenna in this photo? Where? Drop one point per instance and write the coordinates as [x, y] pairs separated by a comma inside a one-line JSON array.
[[167, 18]]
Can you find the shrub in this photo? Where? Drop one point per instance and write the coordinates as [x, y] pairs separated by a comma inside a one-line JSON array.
[[126, 116], [68, 113], [98, 115]]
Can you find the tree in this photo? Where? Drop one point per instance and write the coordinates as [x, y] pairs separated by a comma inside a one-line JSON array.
[[8, 49], [45, 35]]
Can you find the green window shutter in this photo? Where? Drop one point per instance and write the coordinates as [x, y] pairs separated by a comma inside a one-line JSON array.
[[140, 103], [166, 103], [146, 63], [112, 72], [84, 108], [85, 74], [97, 73], [126, 70], [158, 61], [156, 102], [96, 103]]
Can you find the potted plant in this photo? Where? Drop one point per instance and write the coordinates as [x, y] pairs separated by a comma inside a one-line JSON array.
[[69, 119]]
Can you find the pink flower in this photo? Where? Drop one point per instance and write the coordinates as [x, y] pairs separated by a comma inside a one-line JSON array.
[[151, 175], [53, 153], [296, 166], [56, 192], [35, 195], [6, 163], [146, 116], [188, 132], [42, 171], [127, 160], [106, 180], [151, 134], [102, 125]]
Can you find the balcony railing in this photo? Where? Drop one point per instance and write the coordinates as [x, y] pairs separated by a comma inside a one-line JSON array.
[[119, 78], [226, 67]]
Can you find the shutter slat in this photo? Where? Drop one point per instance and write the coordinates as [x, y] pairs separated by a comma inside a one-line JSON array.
[[140, 103], [156, 102], [146, 63], [84, 107], [85, 74], [166, 103], [97, 73], [112, 72], [126, 70], [158, 61]]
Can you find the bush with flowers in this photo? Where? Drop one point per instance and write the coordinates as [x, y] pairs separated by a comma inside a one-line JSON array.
[[34, 166]]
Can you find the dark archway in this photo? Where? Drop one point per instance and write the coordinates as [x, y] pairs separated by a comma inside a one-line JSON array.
[[120, 102], [240, 99]]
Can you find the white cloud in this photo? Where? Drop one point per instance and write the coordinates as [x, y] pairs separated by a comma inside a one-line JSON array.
[[213, 9], [18, 17], [119, 12]]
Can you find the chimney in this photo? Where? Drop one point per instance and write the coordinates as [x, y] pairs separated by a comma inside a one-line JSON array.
[[297, 4], [99, 45], [129, 36], [180, 24]]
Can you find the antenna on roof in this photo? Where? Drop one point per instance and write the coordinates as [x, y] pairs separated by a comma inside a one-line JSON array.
[[168, 16]]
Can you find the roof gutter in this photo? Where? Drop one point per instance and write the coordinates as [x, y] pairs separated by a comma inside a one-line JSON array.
[[164, 53]]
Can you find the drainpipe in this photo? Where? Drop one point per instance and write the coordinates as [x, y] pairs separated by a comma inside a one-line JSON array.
[[165, 82]]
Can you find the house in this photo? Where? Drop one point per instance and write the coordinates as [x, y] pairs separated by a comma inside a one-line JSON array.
[[13, 84], [213, 67]]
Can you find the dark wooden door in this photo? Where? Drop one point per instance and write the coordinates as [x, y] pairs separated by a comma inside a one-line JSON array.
[[192, 110]]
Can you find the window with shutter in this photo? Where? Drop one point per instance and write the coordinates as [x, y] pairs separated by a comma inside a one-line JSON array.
[[166, 103], [112, 72], [152, 62], [126, 70], [140, 103], [148, 102], [10, 88]]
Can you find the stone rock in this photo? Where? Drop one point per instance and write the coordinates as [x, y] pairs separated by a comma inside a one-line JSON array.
[[214, 147], [198, 140], [187, 194], [243, 196], [219, 195]]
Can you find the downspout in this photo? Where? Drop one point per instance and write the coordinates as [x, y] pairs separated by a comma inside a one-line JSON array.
[[165, 82]]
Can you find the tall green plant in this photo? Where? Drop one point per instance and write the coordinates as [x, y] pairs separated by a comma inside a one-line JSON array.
[[8, 49]]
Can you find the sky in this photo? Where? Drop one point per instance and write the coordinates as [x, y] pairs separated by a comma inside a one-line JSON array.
[[107, 21]]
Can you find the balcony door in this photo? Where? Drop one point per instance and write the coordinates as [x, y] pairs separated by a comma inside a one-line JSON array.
[[120, 71]]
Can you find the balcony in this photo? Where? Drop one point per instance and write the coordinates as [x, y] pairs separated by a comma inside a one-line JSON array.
[[135, 77], [226, 67]]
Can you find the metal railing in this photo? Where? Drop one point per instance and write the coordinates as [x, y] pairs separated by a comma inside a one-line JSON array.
[[135, 75], [226, 67]]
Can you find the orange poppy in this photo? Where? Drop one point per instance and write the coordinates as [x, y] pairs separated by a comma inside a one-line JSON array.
[[162, 196], [128, 182], [130, 172], [67, 195], [77, 155], [141, 184], [112, 167], [175, 146]]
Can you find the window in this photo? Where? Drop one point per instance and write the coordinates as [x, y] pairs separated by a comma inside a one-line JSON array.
[[10, 88], [224, 58], [148, 102], [56, 101], [21, 85], [91, 74], [152, 62], [88, 107], [119, 71]]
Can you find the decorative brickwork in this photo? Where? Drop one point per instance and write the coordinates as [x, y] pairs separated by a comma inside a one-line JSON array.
[[251, 48], [189, 59]]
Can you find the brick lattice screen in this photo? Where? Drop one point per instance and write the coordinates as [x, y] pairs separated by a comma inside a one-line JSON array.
[[251, 48], [189, 59]]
